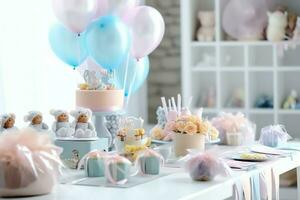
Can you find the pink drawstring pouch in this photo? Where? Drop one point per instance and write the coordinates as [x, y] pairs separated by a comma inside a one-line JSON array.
[[274, 135], [29, 163], [205, 167]]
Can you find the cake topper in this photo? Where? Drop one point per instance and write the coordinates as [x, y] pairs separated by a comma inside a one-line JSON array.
[[83, 128], [36, 121], [62, 127], [7, 122]]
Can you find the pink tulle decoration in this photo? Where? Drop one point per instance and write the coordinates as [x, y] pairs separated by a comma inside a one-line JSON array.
[[29, 163], [245, 19], [205, 166], [232, 123]]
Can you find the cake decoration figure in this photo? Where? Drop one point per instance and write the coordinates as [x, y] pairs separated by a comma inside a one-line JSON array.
[[36, 121], [83, 128], [62, 127], [7, 122]]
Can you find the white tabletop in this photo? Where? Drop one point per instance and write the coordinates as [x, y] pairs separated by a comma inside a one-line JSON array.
[[177, 185]]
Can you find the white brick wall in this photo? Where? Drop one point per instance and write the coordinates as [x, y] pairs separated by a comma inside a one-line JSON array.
[[164, 78]]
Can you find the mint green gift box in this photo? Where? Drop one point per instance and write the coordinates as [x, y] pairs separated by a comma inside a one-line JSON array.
[[150, 165], [74, 150], [95, 167], [119, 171]]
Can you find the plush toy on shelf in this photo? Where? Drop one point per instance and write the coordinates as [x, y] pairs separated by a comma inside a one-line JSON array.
[[36, 121], [206, 32], [7, 122], [264, 101], [83, 128], [291, 101], [277, 24], [62, 127]]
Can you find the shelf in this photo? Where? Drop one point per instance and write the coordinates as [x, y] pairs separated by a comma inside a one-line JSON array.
[[261, 120], [202, 44], [289, 68], [232, 69], [261, 69], [289, 112], [261, 111], [255, 67], [206, 110], [204, 69]]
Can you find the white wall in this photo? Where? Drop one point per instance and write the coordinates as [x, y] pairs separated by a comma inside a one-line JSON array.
[[31, 78]]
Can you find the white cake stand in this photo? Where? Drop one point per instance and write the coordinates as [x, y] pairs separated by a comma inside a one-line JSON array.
[[99, 121]]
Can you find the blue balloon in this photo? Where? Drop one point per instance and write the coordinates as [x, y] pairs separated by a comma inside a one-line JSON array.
[[108, 41], [137, 73], [68, 46]]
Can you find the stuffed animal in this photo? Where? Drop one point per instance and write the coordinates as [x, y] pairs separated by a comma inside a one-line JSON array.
[[207, 30], [36, 121], [277, 24], [296, 34], [62, 127], [291, 25], [7, 122], [291, 101], [83, 128]]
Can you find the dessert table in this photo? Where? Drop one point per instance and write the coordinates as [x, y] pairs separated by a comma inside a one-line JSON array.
[[178, 184]]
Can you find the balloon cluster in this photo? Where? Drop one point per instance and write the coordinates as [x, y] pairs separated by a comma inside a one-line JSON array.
[[117, 35]]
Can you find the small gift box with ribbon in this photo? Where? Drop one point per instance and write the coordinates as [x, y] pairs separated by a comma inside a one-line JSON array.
[[94, 163], [205, 167], [234, 129], [150, 162], [117, 169], [274, 135]]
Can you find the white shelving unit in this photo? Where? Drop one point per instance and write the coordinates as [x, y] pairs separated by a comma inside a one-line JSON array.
[[253, 67]]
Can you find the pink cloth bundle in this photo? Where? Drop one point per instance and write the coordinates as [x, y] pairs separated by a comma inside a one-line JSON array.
[[205, 167], [234, 123], [29, 163]]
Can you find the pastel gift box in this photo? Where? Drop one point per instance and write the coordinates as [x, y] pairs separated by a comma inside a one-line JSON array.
[[119, 171], [95, 167], [81, 146], [150, 165]]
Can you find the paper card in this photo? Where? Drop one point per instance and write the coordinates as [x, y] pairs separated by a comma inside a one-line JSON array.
[[267, 150], [240, 165]]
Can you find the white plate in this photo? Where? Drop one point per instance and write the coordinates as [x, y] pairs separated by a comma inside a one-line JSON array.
[[238, 157], [168, 142], [216, 141], [160, 142], [76, 139]]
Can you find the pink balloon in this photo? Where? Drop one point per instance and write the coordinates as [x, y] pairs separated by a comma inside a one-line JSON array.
[[147, 27], [244, 19], [116, 7], [76, 15]]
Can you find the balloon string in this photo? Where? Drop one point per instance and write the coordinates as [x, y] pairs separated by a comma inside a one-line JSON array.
[[126, 71], [130, 88]]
